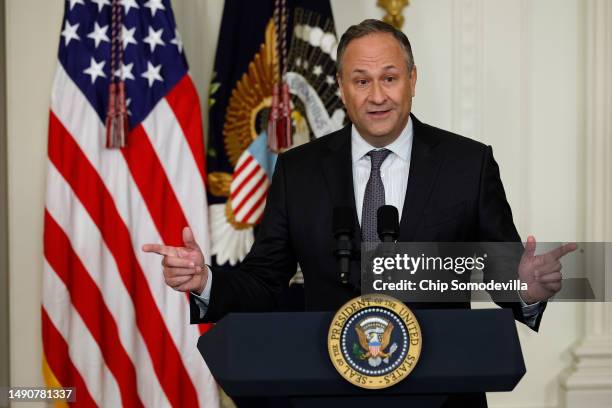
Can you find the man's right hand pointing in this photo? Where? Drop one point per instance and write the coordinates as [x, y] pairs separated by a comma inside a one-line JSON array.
[[184, 268]]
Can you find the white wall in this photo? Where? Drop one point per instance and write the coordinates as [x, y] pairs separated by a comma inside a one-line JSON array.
[[32, 34], [503, 72]]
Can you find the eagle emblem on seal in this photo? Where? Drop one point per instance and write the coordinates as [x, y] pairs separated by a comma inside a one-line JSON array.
[[374, 334]]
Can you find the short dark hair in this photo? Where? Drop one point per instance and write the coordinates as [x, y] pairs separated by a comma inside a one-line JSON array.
[[372, 26]]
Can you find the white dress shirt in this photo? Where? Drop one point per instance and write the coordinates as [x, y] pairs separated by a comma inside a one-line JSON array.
[[394, 170]]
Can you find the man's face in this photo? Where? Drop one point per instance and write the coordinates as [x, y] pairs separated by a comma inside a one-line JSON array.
[[376, 87]]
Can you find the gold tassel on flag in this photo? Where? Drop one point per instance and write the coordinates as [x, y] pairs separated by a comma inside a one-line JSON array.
[[116, 118], [117, 126], [279, 122]]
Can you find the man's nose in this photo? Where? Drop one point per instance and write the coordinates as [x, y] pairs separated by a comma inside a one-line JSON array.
[[377, 95]]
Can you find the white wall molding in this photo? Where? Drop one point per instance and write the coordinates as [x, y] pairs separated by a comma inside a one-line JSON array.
[[468, 67], [589, 381], [4, 291], [526, 32]]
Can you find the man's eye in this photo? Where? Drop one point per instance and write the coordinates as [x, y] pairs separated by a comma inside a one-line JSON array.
[[390, 79], [362, 82]]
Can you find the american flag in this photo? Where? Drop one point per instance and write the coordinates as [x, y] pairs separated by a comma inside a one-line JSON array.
[[111, 327], [251, 181]]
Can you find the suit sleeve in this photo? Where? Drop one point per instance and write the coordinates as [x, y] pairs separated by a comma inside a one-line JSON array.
[[257, 285], [495, 224]]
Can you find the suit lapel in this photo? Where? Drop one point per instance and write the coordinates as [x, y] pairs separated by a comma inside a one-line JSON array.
[[337, 166], [424, 166]]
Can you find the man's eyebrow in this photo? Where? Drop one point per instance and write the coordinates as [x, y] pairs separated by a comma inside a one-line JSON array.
[[364, 71]]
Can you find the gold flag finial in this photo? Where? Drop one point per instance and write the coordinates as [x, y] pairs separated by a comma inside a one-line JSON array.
[[394, 11]]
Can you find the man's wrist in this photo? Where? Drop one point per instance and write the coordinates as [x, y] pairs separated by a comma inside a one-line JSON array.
[[524, 296], [200, 290], [203, 291]]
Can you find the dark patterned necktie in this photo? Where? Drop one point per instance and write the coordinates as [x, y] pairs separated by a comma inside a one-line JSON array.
[[374, 197]]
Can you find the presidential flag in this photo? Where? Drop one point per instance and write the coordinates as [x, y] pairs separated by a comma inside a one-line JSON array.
[[111, 327], [273, 87]]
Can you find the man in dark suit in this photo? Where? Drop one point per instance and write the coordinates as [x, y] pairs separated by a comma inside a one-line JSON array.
[[446, 187]]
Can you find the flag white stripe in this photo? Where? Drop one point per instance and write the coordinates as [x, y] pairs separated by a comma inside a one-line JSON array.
[[248, 188], [76, 114], [175, 155], [252, 200], [260, 209], [83, 349], [241, 176], [87, 243], [241, 160]]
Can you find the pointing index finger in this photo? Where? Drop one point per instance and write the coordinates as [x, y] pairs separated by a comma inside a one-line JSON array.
[[164, 250], [563, 250]]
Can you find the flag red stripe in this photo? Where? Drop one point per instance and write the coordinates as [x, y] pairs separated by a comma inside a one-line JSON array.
[[184, 102], [261, 180], [88, 301], [55, 349], [157, 192], [70, 161], [245, 181], [259, 202], [243, 165]]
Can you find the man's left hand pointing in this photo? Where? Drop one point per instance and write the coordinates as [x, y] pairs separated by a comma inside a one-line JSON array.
[[541, 273]]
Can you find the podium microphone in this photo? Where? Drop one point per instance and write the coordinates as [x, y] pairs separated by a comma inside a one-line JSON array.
[[343, 224], [387, 219]]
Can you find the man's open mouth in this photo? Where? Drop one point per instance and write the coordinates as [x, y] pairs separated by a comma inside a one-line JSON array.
[[379, 113]]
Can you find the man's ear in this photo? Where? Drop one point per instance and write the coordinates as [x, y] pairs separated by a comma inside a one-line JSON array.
[[339, 79], [413, 79]]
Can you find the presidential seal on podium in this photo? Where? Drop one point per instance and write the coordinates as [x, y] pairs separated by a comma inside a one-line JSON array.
[[374, 341]]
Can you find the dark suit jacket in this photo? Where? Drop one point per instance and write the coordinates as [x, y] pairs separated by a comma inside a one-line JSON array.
[[454, 193]]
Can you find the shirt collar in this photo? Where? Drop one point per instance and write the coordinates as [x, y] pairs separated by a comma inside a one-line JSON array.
[[400, 146]]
